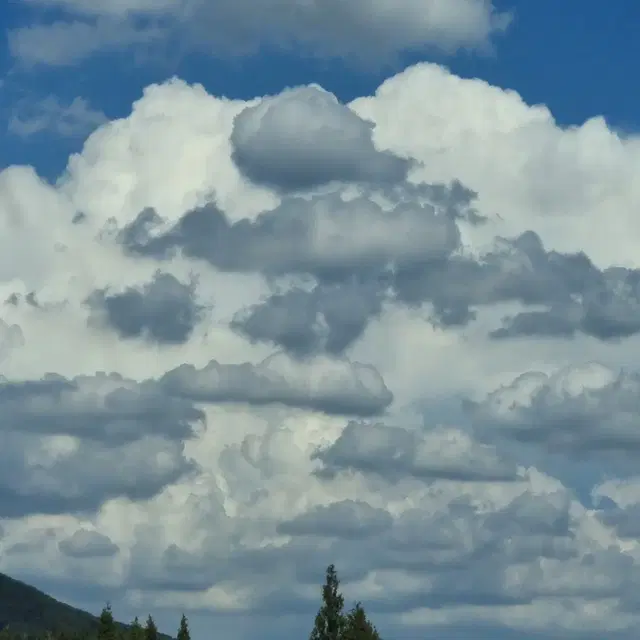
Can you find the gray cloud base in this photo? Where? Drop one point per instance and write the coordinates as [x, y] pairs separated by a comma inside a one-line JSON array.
[[395, 453], [577, 410], [304, 138], [85, 543], [163, 310], [362, 255], [140, 427]]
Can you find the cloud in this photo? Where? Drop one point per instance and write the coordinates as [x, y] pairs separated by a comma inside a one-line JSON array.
[[625, 522], [64, 437], [579, 409], [419, 261], [328, 236], [392, 452], [304, 138], [335, 387], [466, 550], [345, 519], [576, 296], [329, 318], [122, 7], [162, 310], [65, 43], [617, 505], [228, 476], [51, 116], [368, 31], [104, 408], [62, 475], [11, 337], [85, 543]]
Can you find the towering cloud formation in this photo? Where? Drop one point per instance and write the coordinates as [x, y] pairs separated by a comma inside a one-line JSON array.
[[239, 339]]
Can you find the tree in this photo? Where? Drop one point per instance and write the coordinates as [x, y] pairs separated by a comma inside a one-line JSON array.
[[183, 631], [107, 629], [136, 632], [358, 626], [150, 629], [330, 620]]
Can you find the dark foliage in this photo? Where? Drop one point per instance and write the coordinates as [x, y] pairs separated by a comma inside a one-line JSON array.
[[28, 614]]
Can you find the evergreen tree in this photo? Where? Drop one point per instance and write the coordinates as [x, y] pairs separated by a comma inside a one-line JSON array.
[[136, 632], [330, 620], [183, 631], [107, 629], [358, 626], [150, 629]]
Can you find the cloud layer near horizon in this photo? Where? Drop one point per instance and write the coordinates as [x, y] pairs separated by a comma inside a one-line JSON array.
[[236, 348]]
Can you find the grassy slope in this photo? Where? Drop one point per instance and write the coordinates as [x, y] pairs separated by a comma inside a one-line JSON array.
[[27, 609]]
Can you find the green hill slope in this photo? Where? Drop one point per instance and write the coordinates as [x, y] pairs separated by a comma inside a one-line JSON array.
[[28, 610]]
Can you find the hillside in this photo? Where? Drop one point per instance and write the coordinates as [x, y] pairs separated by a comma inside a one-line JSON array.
[[26, 609]]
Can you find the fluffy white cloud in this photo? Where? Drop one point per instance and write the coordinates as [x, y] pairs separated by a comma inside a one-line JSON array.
[[213, 388], [533, 173], [369, 31]]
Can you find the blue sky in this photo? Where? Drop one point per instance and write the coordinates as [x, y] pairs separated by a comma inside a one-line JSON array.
[[368, 295], [574, 58]]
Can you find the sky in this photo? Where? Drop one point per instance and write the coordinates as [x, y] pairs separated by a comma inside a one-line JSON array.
[[294, 283]]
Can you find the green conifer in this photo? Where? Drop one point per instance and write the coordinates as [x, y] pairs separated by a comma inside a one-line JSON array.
[[107, 629], [330, 619], [183, 631], [150, 630], [358, 626], [136, 632]]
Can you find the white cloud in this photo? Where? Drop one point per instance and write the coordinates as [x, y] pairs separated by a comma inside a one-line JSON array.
[[218, 515], [533, 173], [64, 43], [107, 7], [369, 31]]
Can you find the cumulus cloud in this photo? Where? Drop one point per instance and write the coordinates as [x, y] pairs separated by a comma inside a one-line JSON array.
[[226, 476], [304, 138], [107, 408], [329, 318], [63, 437], [334, 387], [345, 519], [582, 408], [328, 236], [452, 550], [442, 453], [368, 31], [575, 296], [61, 475], [85, 543], [163, 310], [408, 251]]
